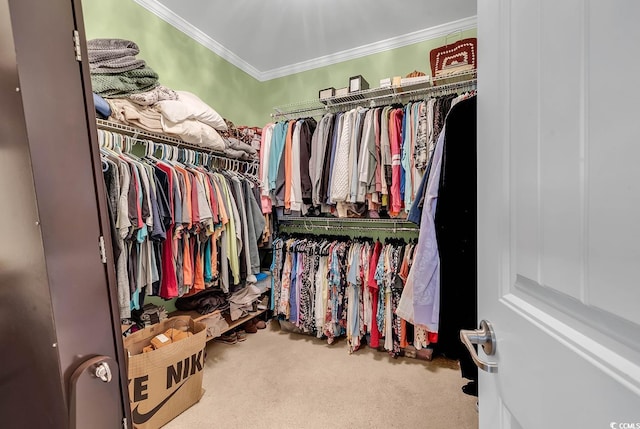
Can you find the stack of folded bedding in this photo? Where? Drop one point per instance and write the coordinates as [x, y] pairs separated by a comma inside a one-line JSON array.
[[115, 70], [193, 120], [128, 91]]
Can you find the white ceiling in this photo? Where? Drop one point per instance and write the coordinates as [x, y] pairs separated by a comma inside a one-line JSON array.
[[272, 38]]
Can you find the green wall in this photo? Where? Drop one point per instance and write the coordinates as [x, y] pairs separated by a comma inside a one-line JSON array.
[[397, 62], [181, 62], [184, 64]]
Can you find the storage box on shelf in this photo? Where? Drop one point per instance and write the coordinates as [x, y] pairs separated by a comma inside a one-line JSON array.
[[411, 89]]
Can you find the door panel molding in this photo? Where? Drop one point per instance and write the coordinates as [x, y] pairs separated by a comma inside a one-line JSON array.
[[609, 324], [625, 371], [557, 213]]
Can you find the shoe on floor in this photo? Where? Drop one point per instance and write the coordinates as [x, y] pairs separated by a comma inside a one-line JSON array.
[[241, 334], [471, 388], [250, 326], [261, 324], [227, 339]]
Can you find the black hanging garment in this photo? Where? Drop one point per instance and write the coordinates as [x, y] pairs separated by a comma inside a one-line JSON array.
[[455, 223]]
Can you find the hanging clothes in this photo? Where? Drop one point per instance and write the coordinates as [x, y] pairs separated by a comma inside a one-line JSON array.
[[365, 162], [329, 288], [178, 225]]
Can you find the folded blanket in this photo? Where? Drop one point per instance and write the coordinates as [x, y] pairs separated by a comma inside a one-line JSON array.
[[242, 300], [159, 93], [126, 112], [123, 84], [113, 56], [240, 145], [195, 132]]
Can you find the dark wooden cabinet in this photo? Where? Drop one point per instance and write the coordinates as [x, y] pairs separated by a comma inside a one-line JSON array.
[[59, 323]]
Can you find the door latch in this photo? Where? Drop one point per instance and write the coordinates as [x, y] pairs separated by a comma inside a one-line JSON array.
[[103, 372], [485, 337]]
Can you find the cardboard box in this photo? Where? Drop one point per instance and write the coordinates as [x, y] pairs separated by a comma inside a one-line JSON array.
[[164, 382]]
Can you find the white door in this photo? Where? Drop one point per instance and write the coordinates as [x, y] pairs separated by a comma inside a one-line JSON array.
[[559, 212]]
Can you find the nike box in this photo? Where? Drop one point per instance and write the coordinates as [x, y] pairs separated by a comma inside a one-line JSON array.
[[164, 382]]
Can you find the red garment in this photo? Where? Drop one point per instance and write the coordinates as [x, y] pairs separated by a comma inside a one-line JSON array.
[[395, 138], [169, 281], [432, 337], [373, 285]]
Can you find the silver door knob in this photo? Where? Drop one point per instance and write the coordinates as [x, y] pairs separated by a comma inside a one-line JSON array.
[[103, 372], [485, 337]]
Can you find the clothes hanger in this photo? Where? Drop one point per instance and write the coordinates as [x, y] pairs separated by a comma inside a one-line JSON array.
[[106, 144], [168, 153], [163, 150], [150, 148]]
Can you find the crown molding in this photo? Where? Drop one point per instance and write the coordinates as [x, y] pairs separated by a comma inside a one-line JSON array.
[[199, 36], [373, 48], [167, 15]]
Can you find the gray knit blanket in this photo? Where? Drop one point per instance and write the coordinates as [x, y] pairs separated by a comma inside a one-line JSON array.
[[124, 84], [110, 56]]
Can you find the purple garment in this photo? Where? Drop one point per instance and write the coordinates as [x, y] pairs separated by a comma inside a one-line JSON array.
[[426, 288]]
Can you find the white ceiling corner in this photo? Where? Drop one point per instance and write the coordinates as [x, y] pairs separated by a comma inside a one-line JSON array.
[[340, 55], [372, 48], [166, 14]]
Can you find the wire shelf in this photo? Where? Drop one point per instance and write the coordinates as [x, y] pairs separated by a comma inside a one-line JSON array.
[[137, 132], [325, 220], [376, 97], [142, 136], [327, 224]]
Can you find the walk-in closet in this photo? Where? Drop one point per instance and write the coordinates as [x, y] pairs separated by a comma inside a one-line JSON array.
[[312, 214]]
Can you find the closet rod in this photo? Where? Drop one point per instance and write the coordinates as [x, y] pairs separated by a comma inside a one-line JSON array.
[[371, 97], [328, 220], [308, 227], [136, 134]]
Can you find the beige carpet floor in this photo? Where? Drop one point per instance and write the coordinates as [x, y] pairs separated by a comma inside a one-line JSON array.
[[278, 379]]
